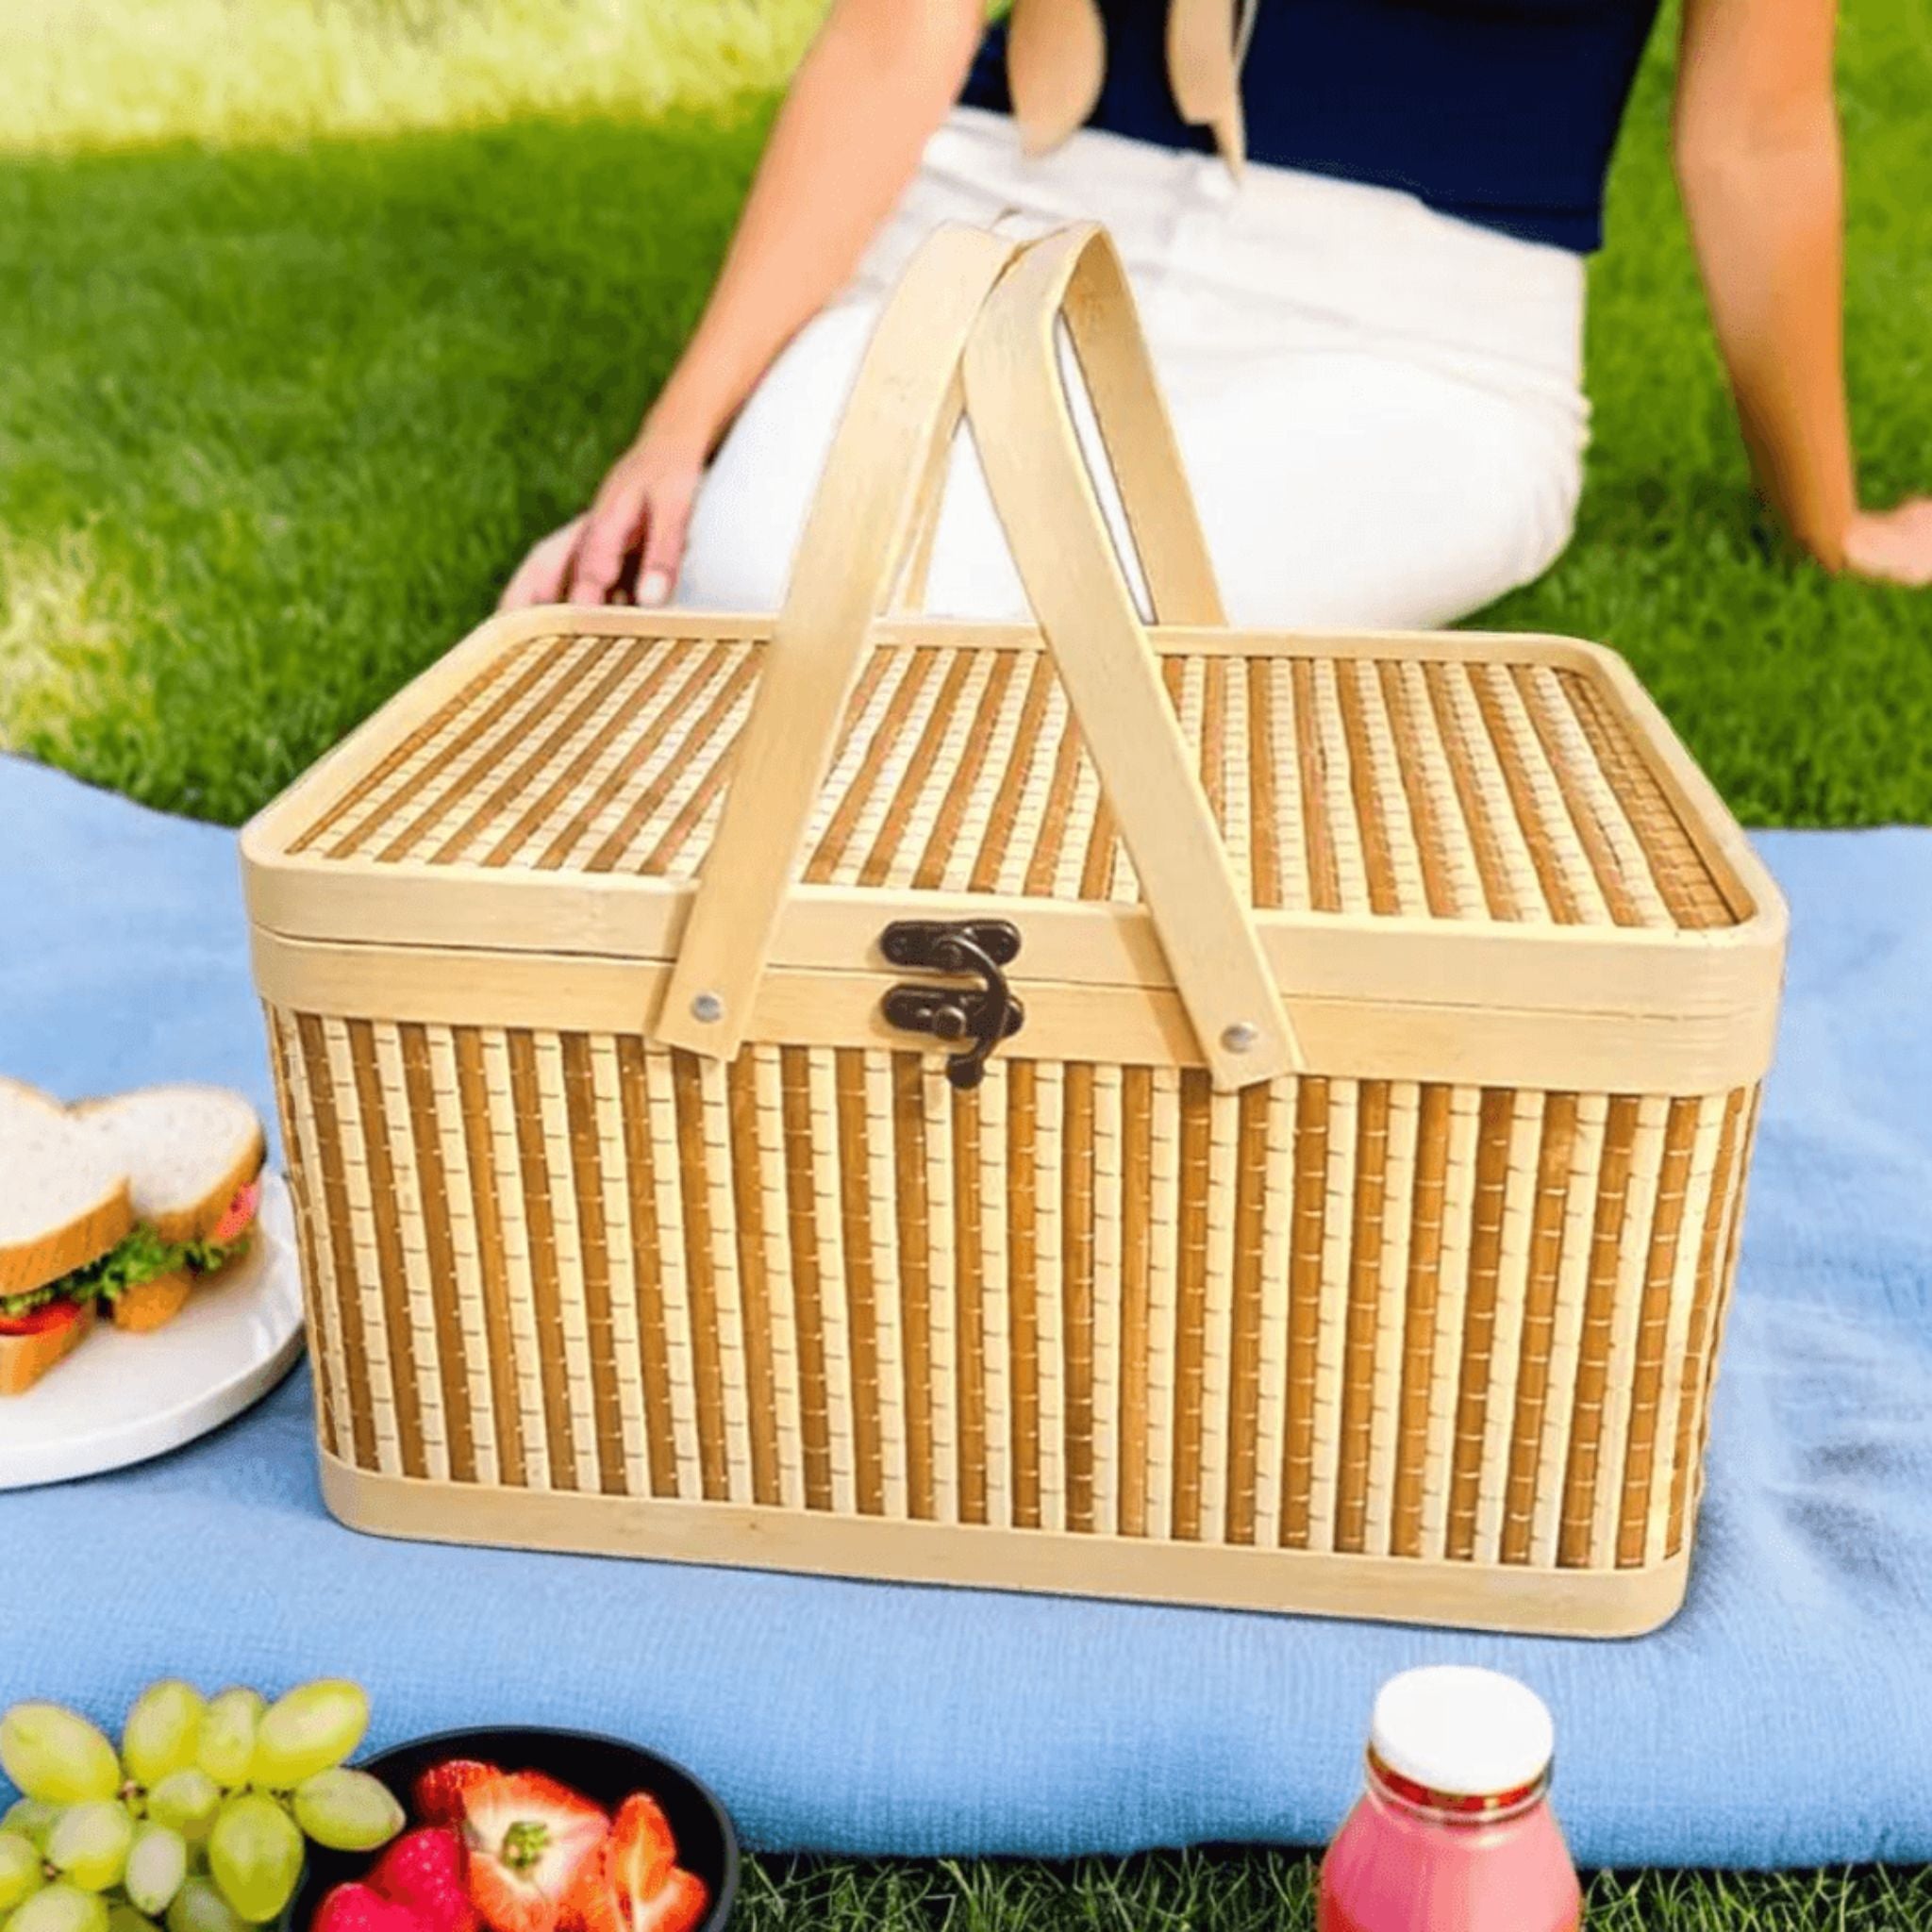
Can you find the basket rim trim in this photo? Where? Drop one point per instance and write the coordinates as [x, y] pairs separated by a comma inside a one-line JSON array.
[[1607, 1049], [1604, 1603]]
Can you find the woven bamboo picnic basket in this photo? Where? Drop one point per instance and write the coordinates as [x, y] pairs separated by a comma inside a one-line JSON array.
[[1132, 1108]]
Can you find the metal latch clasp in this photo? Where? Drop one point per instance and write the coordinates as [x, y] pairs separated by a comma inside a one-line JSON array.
[[985, 1014]]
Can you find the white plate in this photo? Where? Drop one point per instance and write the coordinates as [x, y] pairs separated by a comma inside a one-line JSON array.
[[123, 1398]]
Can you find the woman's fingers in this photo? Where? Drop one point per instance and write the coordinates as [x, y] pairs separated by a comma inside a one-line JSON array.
[[1893, 544], [612, 536], [539, 578], [664, 535], [637, 524]]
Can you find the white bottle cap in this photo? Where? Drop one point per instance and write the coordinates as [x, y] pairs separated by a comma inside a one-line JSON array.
[[1467, 1732]]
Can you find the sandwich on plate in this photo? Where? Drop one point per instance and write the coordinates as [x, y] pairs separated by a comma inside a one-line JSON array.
[[115, 1206]]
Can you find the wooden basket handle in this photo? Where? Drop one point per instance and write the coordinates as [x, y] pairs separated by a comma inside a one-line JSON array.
[[851, 553], [882, 475], [1161, 512], [1017, 402]]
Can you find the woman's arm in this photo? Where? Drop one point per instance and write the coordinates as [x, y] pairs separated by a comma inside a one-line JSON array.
[[876, 83], [1757, 146]]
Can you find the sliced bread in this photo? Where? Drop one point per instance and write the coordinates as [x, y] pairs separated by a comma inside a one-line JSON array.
[[190, 1151], [152, 1303], [66, 1193]]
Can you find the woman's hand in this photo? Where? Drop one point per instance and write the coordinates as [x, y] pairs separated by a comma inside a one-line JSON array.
[[868, 94], [1894, 545], [626, 547]]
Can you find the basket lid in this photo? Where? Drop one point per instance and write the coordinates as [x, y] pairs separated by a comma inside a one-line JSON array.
[[1492, 781], [1469, 820]]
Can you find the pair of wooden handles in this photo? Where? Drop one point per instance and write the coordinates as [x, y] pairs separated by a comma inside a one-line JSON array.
[[971, 330]]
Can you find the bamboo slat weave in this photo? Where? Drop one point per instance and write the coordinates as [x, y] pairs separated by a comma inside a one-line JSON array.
[[1360, 1317], [1498, 790]]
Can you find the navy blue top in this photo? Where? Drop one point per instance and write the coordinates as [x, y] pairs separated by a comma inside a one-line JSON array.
[[1500, 111]]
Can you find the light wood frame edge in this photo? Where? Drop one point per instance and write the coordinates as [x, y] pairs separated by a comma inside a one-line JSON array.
[[1529, 1602], [1357, 1037]]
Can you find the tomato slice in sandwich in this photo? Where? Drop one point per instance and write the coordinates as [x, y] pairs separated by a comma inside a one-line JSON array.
[[239, 1216], [41, 1321]]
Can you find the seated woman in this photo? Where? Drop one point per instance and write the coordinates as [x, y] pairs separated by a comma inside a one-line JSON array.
[[1366, 309]]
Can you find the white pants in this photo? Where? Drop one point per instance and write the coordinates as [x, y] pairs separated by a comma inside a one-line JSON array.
[[1379, 406]]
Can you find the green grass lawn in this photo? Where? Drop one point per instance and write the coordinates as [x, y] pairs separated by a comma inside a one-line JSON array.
[[313, 313], [1273, 1891], [317, 310]]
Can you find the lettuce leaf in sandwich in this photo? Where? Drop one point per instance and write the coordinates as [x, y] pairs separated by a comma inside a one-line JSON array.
[[141, 1257]]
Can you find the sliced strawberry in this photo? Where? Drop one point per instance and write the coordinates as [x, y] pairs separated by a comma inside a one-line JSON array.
[[505, 1904], [644, 1850], [634, 1883], [679, 1905], [438, 1795], [527, 1836], [362, 1909], [424, 1872]]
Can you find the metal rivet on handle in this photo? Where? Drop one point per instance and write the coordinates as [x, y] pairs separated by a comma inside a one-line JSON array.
[[1243, 1037], [708, 1007]]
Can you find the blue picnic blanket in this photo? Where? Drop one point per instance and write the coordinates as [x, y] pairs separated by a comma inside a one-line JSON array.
[[1784, 1717]]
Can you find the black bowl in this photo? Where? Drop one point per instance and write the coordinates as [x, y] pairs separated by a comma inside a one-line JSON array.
[[603, 1769]]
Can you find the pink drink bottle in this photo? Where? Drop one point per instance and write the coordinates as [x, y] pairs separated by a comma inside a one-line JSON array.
[[1455, 1831]]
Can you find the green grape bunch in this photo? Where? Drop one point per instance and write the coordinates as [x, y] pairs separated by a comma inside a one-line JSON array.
[[199, 1823]]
